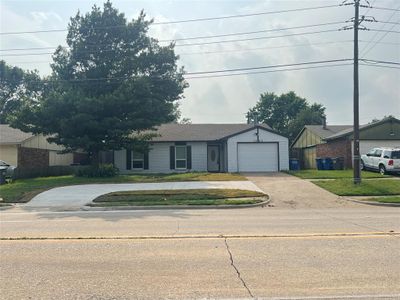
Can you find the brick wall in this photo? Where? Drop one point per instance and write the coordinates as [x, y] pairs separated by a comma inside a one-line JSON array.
[[338, 148], [29, 158]]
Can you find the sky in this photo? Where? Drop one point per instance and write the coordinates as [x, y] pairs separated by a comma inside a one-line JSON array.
[[227, 99]]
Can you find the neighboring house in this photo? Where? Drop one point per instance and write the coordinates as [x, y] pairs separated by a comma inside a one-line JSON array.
[[337, 141], [209, 147], [28, 151]]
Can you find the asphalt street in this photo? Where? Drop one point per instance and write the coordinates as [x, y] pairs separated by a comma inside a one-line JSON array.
[[185, 254]]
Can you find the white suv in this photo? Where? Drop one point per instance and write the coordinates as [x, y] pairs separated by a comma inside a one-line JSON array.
[[384, 160]]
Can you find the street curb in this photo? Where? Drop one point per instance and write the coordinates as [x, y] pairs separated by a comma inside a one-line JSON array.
[[165, 207], [373, 203]]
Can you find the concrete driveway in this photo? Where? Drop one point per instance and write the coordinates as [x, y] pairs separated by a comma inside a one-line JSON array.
[[288, 191], [76, 196]]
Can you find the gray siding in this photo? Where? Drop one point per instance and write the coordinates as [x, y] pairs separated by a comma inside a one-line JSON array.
[[159, 158]]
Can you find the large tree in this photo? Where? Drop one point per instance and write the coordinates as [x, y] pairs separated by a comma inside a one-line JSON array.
[[112, 80], [286, 113], [16, 85]]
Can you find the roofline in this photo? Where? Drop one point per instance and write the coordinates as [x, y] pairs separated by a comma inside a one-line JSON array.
[[297, 136], [367, 126], [249, 129], [11, 143]]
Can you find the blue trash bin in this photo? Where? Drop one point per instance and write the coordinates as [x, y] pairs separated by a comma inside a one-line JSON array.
[[294, 164], [320, 165], [327, 163]]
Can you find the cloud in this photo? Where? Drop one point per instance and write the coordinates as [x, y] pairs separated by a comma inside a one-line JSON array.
[[42, 17]]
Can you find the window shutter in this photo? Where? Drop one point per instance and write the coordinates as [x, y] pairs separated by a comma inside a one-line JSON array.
[[172, 157], [128, 159], [146, 160], [189, 156]]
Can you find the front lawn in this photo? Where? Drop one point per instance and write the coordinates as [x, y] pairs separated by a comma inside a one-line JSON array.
[[180, 197], [332, 174], [22, 190], [394, 199], [372, 187]]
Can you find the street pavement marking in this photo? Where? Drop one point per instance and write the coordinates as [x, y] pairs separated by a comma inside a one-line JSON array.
[[177, 237]]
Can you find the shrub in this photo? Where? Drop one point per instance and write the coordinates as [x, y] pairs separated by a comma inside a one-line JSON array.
[[102, 170]]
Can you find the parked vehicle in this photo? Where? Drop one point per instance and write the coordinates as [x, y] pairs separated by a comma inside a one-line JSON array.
[[384, 160], [6, 171]]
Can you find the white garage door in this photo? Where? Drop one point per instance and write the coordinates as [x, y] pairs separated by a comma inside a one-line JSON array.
[[258, 157]]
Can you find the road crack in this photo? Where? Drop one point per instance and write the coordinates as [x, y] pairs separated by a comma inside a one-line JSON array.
[[236, 269]]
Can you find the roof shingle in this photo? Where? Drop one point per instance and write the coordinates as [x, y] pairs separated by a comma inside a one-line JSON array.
[[12, 136]]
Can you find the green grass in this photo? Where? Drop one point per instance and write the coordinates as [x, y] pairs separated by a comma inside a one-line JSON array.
[[372, 187], [394, 199], [179, 197], [332, 174], [22, 190]]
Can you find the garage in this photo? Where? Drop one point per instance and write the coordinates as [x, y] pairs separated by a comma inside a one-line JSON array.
[[365, 146], [258, 157]]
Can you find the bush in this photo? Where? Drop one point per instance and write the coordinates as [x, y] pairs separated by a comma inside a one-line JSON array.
[[102, 170]]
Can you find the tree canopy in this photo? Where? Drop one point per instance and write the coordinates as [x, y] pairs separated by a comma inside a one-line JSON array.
[[286, 113], [112, 80], [15, 86]]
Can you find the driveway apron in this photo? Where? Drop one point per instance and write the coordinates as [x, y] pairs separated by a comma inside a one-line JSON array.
[[288, 191], [76, 196]]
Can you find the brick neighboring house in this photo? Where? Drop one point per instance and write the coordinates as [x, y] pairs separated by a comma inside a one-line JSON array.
[[28, 151], [337, 141]]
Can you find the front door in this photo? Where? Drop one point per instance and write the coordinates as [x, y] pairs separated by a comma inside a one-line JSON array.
[[213, 158]]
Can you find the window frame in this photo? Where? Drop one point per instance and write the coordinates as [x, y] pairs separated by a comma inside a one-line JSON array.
[[137, 160], [181, 159]]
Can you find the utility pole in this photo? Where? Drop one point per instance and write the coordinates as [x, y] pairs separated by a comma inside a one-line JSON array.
[[356, 129]]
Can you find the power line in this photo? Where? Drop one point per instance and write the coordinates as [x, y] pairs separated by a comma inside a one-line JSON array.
[[381, 61], [204, 72], [200, 37], [367, 48], [231, 50], [380, 66], [196, 44], [271, 71], [187, 20], [254, 32], [385, 8], [256, 38], [388, 31], [269, 67]]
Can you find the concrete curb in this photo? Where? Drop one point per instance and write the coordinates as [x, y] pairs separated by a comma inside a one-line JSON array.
[[373, 202], [165, 207]]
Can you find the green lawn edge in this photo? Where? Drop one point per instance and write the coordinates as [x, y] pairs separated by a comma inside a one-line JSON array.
[[179, 197], [332, 174], [394, 199], [372, 187], [23, 190]]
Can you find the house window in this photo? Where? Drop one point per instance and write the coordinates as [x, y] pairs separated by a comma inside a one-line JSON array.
[[180, 157], [137, 160]]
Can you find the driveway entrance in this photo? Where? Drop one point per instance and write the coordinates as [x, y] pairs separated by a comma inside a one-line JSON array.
[[76, 196], [288, 191]]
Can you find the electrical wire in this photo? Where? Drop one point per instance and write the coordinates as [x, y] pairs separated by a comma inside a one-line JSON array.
[[271, 71], [194, 44], [187, 20], [190, 74], [200, 37], [367, 48], [385, 8], [256, 38]]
